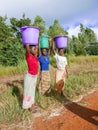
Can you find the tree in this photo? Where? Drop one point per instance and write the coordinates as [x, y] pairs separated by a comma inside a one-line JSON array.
[[92, 49], [86, 36], [78, 46], [11, 52], [11, 48], [17, 24], [5, 31], [56, 29], [70, 47], [91, 36], [39, 22]]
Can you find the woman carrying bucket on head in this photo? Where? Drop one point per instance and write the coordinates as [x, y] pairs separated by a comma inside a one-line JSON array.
[[30, 79], [61, 62], [44, 60]]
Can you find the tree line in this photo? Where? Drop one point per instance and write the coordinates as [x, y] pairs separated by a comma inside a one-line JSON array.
[[11, 47]]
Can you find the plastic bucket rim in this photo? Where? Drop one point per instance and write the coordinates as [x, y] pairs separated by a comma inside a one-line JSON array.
[[29, 27], [45, 36], [59, 36]]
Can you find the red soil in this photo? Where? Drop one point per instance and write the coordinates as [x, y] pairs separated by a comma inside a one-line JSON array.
[[76, 116]]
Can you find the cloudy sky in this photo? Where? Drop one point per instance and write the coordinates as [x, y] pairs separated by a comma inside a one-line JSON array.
[[70, 13]]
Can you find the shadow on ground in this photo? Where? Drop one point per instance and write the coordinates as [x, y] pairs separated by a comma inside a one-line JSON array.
[[83, 112]]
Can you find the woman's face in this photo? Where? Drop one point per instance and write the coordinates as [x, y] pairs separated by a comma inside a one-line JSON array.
[[61, 51], [34, 50], [44, 52]]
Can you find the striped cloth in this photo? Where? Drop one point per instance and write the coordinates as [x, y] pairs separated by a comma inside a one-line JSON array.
[[44, 85]]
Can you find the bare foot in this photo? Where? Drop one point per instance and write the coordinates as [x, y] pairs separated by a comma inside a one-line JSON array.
[[33, 108]]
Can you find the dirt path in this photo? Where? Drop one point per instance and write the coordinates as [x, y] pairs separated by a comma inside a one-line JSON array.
[[75, 116], [11, 78]]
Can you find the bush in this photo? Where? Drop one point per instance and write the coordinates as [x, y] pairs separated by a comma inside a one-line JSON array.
[[92, 49], [11, 52]]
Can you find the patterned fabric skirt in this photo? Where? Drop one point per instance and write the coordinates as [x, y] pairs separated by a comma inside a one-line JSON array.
[[44, 85], [29, 90], [60, 75]]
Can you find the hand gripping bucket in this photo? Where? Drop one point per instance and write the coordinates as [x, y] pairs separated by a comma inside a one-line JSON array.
[[44, 42], [30, 35], [61, 41]]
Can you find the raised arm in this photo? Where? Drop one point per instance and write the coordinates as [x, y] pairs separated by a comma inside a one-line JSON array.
[[49, 52], [27, 49], [38, 48], [52, 46], [49, 47]]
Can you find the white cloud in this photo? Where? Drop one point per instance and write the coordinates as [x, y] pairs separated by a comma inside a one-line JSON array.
[[74, 31], [95, 29]]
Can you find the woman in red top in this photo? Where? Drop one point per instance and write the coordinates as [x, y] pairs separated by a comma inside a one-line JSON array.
[[30, 77]]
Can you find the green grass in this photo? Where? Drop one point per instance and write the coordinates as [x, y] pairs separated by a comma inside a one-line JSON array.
[[10, 70], [82, 59], [79, 82], [72, 60], [11, 106], [77, 60]]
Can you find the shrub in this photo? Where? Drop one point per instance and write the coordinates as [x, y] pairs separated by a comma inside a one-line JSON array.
[[11, 52]]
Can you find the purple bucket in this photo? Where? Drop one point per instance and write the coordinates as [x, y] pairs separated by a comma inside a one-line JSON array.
[[30, 35], [61, 41]]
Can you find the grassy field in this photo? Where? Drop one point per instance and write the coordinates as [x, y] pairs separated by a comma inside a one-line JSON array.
[[83, 77], [11, 70], [72, 60]]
